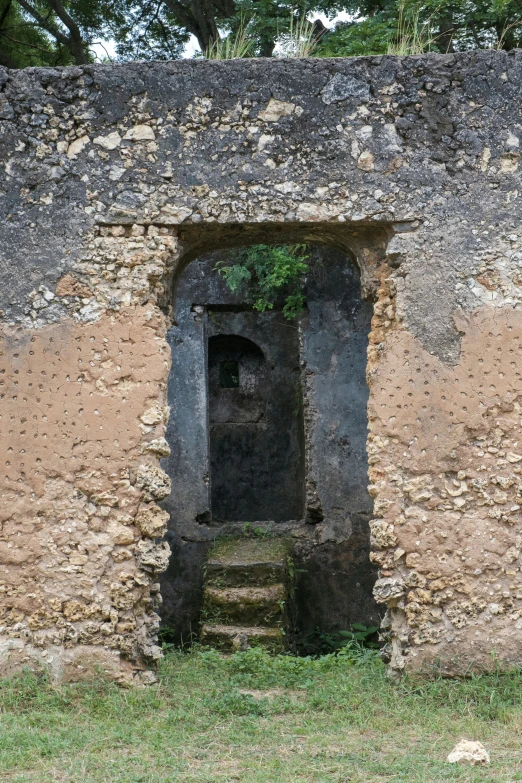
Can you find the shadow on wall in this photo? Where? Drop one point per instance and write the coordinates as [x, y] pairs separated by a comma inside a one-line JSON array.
[[244, 452]]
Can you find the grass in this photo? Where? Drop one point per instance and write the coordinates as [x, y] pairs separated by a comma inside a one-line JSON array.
[[413, 35], [234, 46], [259, 719]]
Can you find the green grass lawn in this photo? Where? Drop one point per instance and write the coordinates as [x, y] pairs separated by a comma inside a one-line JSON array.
[[332, 720]]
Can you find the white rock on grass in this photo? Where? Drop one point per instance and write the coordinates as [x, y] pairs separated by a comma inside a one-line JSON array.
[[469, 752]]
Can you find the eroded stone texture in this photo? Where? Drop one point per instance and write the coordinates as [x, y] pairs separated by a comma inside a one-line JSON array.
[[71, 449], [446, 467], [115, 177]]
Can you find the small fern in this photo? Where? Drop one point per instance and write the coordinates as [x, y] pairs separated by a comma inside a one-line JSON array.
[[265, 272]]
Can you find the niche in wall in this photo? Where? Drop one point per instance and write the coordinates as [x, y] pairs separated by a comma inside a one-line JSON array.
[[256, 471]]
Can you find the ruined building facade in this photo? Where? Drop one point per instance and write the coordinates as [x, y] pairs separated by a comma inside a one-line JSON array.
[[118, 183]]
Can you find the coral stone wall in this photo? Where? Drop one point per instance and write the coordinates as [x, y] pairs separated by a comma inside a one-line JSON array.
[[82, 424], [113, 178]]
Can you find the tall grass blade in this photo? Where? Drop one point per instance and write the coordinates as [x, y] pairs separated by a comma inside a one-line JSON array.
[[235, 46], [413, 36], [300, 40]]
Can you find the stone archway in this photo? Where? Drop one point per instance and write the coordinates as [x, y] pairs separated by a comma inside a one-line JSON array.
[[326, 351]]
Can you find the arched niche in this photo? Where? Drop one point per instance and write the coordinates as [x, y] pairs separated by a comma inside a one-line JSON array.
[[255, 436], [238, 386]]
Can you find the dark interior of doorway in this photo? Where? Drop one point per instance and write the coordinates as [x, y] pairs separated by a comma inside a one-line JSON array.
[[255, 423]]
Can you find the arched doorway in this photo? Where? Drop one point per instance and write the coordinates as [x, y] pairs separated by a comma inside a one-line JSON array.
[[314, 484]]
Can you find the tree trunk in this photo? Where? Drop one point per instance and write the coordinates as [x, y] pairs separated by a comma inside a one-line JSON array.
[[6, 61], [267, 47], [444, 38], [77, 46], [198, 17], [205, 19], [77, 49]]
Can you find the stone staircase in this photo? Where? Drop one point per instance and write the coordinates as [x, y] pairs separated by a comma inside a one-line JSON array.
[[247, 594]]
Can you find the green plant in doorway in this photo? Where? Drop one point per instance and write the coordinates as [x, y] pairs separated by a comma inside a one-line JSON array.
[[358, 637], [267, 272]]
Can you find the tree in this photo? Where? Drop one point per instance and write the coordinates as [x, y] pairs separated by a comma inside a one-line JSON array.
[[56, 32], [23, 43], [64, 30], [148, 30], [407, 26], [152, 21], [59, 32]]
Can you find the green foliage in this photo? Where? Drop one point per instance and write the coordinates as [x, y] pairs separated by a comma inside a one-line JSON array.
[[267, 272], [147, 30], [282, 22], [255, 668], [24, 44], [61, 32], [345, 643], [239, 43], [413, 35], [411, 27], [249, 531], [300, 40], [58, 32], [357, 38]]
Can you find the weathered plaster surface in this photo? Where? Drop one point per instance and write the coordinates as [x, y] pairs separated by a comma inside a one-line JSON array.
[[446, 457], [82, 415], [115, 177]]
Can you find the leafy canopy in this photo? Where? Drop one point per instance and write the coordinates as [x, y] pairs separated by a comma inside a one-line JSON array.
[[55, 32], [61, 32], [267, 272], [411, 27]]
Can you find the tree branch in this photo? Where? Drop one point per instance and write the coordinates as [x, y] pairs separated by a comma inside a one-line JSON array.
[[23, 43], [44, 23], [472, 26], [74, 42], [198, 16]]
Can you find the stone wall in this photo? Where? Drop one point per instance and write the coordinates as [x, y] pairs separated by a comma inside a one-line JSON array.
[[114, 178]]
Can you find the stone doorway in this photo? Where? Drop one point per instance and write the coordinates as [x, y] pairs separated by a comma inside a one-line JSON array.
[[289, 456]]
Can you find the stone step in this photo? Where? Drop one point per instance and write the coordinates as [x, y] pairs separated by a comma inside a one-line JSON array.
[[230, 638], [251, 550], [263, 606], [244, 562], [247, 585], [237, 573]]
